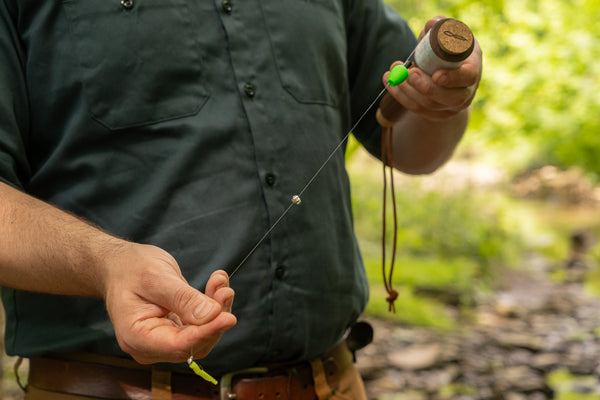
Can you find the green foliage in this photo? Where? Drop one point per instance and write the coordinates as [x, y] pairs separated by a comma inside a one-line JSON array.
[[592, 284], [451, 226], [455, 241], [538, 102], [411, 309], [428, 271], [455, 389], [457, 277], [571, 387]]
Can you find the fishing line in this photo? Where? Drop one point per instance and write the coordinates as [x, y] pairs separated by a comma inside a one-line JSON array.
[[297, 198], [446, 45]]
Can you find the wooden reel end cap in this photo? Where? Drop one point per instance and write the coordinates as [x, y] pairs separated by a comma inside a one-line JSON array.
[[452, 40]]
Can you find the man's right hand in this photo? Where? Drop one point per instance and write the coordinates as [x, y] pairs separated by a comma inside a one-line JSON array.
[[157, 315]]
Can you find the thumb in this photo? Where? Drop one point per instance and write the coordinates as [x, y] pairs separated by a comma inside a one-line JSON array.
[[192, 306]]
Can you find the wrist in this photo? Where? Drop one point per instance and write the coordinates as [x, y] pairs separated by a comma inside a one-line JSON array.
[[112, 256]]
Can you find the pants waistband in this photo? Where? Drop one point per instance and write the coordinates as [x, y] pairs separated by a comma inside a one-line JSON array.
[[113, 378]]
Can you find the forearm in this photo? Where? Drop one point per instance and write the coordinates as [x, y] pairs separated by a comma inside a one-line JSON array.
[[45, 249], [422, 145]]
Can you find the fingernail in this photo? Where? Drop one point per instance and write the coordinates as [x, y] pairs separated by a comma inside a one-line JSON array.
[[203, 309]]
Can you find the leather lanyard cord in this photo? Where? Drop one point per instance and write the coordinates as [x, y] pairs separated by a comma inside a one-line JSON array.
[[387, 158]]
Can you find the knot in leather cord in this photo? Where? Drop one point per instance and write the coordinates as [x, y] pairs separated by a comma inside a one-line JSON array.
[[391, 299]]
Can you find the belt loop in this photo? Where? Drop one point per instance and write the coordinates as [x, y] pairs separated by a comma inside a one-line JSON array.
[[322, 388], [17, 376], [161, 384]]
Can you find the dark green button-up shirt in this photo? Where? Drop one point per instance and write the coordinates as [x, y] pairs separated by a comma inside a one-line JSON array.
[[189, 125]]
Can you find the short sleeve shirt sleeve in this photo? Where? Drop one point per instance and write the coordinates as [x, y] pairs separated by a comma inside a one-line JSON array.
[[14, 168]]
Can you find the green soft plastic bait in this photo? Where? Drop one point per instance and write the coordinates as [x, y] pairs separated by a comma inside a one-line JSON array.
[[398, 74], [202, 373]]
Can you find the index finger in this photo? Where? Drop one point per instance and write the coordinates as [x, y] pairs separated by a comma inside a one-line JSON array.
[[217, 280], [429, 24]]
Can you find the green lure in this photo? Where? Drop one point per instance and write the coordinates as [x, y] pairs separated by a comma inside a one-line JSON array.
[[200, 372], [398, 74]]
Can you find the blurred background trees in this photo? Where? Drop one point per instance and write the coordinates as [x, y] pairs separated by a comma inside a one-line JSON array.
[[524, 178], [539, 101]]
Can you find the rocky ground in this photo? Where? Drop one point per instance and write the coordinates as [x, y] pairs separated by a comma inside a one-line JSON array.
[[533, 340]]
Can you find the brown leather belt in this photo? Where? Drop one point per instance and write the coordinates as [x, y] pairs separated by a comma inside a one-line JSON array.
[[106, 378]]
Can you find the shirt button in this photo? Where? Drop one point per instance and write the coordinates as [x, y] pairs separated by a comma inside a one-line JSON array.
[[227, 7], [250, 90], [127, 4], [270, 179], [279, 272]]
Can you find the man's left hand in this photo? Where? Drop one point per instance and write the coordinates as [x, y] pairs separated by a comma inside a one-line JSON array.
[[443, 95]]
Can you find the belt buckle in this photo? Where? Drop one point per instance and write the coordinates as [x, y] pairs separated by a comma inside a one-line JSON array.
[[225, 384]]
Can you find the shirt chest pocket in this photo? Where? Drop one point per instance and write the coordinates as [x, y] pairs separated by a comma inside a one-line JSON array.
[[308, 38], [139, 60]]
